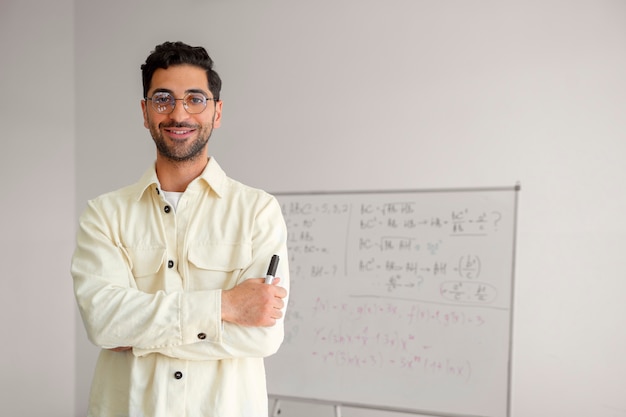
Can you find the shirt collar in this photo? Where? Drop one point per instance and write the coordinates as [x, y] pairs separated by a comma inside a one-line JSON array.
[[213, 176]]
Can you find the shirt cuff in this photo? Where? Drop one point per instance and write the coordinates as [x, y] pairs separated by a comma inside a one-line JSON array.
[[201, 316]]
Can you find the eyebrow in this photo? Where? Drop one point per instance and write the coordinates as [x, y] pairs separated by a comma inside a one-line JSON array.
[[191, 90]]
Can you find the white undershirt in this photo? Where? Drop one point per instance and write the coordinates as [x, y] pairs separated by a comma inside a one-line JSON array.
[[172, 197]]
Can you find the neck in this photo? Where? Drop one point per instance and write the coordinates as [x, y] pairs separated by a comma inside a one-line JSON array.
[[176, 176]]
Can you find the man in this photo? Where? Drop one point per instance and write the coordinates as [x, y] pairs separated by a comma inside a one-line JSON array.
[[167, 271]]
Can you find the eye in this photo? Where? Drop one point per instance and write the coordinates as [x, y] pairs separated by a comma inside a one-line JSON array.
[[196, 99], [162, 98]]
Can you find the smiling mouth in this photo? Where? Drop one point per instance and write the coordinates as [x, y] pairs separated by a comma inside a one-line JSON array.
[[178, 133]]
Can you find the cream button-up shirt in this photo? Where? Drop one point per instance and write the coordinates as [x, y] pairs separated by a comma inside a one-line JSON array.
[[150, 277]]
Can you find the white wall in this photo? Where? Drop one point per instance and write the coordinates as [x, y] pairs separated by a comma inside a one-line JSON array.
[[373, 94], [37, 202]]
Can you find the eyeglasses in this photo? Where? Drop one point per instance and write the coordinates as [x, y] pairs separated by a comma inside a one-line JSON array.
[[164, 102]]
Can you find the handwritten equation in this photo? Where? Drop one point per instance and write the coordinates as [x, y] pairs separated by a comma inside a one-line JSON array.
[[378, 360], [391, 311], [397, 215]]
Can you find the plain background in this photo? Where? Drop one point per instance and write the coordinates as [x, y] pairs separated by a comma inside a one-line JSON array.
[[37, 151], [322, 96]]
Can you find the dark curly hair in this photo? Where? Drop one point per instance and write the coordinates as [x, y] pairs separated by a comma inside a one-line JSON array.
[[178, 53]]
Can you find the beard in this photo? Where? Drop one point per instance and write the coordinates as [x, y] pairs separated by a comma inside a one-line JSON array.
[[186, 151]]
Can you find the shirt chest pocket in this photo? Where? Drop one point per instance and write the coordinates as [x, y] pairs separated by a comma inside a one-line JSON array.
[[217, 266], [147, 266]]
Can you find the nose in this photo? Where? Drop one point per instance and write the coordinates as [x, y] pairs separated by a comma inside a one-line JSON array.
[[179, 113]]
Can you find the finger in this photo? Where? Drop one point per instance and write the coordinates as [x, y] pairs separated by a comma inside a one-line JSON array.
[[276, 314], [281, 292], [121, 348]]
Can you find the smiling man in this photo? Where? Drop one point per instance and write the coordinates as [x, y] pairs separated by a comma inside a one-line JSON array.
[[168, 271]]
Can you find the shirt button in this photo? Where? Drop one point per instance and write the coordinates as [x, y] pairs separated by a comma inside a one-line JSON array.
[[178, 375], [170, 264], [167, 209], [201, 336]]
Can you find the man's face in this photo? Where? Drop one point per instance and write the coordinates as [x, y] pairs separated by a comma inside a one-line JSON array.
[[180, 136]]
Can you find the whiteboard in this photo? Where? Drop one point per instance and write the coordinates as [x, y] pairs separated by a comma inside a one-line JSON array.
[[400, 300]]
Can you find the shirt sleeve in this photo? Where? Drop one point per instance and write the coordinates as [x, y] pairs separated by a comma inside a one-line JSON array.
[[115, 313]]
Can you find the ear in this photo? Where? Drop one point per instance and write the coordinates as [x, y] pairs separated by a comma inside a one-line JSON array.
[[217, 117], [144, 110]]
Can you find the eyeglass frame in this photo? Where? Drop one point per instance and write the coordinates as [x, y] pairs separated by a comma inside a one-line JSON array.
[[188, 93]]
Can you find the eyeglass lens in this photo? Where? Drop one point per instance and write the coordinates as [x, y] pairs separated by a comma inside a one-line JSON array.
[[165, 103]]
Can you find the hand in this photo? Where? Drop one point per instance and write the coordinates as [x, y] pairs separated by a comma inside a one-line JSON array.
[[253, 303], [121, 349]]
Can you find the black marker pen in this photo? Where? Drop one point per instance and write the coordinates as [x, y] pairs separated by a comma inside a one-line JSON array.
[[271, 271]]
